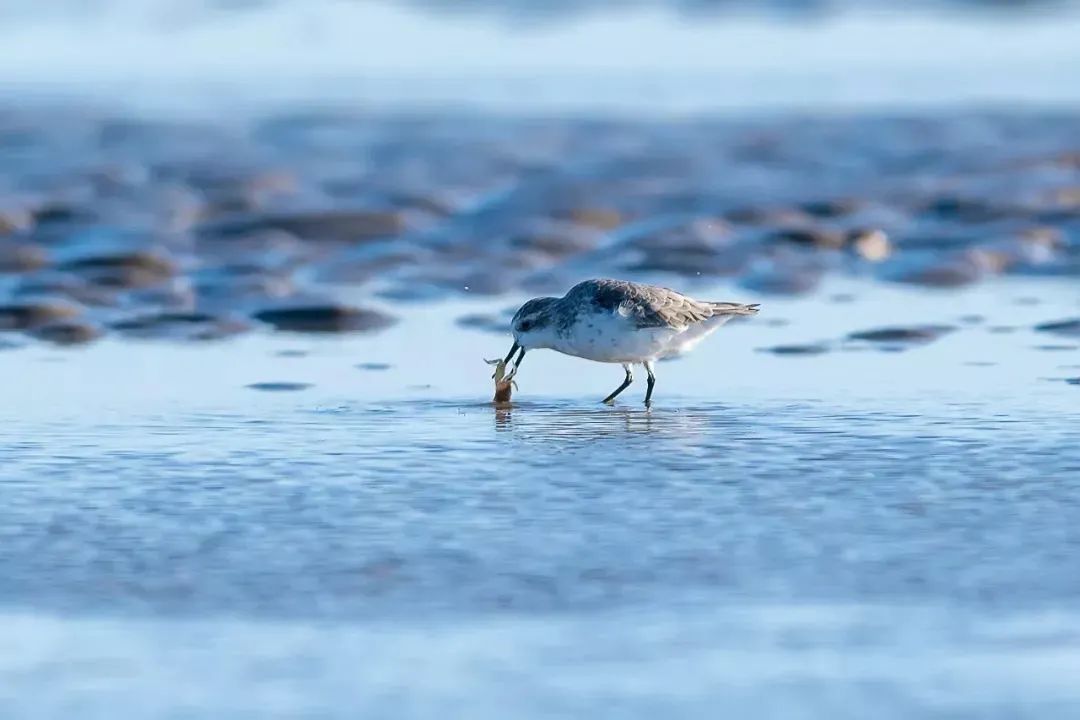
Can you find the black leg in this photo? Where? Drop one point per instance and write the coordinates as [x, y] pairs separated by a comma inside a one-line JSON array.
[[625, 384], [652, 383], [513, 349]]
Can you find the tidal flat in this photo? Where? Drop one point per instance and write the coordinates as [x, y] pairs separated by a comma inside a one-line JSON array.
[[249, 466]]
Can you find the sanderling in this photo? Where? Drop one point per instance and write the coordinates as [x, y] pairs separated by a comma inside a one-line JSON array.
[[615, 321]]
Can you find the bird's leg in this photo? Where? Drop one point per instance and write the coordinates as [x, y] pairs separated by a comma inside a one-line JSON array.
[[652, 382], [625, 384]]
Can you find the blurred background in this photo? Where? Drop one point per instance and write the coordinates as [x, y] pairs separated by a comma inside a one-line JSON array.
[[660, 58], [253, 254]]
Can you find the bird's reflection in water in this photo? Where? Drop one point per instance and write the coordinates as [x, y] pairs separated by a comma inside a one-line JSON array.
[[566, 422], [504, 413]]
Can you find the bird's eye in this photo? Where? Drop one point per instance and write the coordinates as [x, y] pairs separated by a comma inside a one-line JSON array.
[[526, 325]]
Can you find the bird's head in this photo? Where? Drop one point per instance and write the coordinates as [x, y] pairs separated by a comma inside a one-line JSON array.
[[533, 325]]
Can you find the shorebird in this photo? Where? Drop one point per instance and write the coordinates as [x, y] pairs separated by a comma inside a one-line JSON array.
[[615, 321]]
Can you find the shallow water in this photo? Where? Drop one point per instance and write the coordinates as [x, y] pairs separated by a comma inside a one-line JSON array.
[[789, 536]]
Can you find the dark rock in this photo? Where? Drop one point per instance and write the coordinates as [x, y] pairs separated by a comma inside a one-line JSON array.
[[21, 257], [434, 202], [71, 332], [181, 326], [767, 216], [1068, 328], [942, 273], [36, 313], [216, 181], [822, 238], [279, 386], [555, 244], [227, 194], [60, 213], [868, 243], [916, 334], [139, 269], [964, 209], [224, 207], [261, 250], [816, 349], [325, 319], [374, 366], [69, 286], [1073, 381], [952, 239], [595, 217], [834, 208], [330, 225]]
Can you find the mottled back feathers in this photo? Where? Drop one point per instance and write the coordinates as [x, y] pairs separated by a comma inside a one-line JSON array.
[[647, 306]]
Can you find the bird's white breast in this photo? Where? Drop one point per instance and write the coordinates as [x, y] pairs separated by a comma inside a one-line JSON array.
[[614, 338]]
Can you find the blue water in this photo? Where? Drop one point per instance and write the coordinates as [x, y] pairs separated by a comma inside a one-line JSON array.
[[820, 536]]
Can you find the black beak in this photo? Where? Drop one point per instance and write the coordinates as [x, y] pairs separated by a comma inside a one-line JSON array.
[[520, 357], [512, 351]]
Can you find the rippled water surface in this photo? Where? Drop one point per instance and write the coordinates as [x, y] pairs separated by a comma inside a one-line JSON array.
[[789, 535]]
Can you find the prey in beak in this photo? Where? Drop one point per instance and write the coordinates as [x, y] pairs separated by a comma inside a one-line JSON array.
[[504, 381], [504, 374]]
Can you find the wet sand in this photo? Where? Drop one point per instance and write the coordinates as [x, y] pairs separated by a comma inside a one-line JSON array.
[[328, 223]]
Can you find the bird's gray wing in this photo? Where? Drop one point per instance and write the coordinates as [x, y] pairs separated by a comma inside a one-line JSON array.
[[645, 305]]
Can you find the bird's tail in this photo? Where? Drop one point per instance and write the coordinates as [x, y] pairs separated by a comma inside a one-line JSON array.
[[729, 308]]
